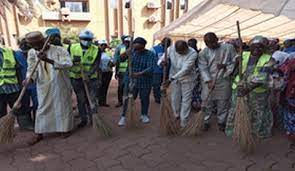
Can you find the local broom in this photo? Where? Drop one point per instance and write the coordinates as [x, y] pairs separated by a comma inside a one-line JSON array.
[[132, 120], [7, 131], [196, 123], [242, 132], [167, 120], [97, 120]]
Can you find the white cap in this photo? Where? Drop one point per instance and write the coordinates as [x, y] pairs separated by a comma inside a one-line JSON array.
[[102, 42]]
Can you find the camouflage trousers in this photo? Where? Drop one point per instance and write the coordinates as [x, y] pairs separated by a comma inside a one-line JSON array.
[[260, 114]]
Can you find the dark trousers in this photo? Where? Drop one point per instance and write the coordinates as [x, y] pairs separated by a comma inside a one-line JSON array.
[[144, 95], [79, 90], [24, 118], [120, 86], [103, 89], [157, 81]]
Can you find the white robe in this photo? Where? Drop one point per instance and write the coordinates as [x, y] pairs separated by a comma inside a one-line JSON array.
[[54, 113]]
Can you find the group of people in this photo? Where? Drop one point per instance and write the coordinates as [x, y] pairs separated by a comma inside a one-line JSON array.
[[205, 80]]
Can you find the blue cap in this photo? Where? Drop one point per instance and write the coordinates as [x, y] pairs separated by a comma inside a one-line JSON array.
[[52, 32]]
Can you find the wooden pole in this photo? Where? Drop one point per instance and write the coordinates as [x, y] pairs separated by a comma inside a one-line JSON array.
[[130, 20], [172, 11], [163, 13], [115, 14], [107, 23], [7, 29], [177, 9], [120, 11], [15, 16], [186, 6]]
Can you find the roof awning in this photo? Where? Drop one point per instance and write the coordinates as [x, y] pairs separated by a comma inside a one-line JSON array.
[[272, 18]]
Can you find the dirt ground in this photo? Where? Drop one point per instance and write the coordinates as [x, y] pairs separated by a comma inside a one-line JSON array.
[[142, 150]]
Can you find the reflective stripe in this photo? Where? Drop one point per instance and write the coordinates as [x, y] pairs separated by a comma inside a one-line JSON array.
[[264, 59], [87, 60], [8, 71]]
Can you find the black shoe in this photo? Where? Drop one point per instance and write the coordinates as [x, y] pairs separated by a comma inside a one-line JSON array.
[[82, 124], [158, 101], [104, 105], [221, 127], [206, 127]]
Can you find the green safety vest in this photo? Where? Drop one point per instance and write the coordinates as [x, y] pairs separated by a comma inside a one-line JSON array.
[[123, 65], [87, 60], [264, 59], [8, 71]]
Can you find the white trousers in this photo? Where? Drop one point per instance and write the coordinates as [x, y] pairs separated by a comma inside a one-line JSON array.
[[181, 97]]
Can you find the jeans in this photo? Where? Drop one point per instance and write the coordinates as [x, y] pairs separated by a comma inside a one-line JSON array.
[[120, 86], [83, 105], [144, 95], [103, 89], [157, 81]]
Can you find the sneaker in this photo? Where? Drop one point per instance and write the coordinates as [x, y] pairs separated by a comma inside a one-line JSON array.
[[122, 121], [145, 119]]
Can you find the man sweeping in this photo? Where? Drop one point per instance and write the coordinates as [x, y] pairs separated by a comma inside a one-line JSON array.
[[182, 77], [143, 62], [85, 55], [54, 113], [159, 50], [210, 63]]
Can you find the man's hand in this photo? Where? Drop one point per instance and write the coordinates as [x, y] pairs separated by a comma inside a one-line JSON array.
[[27, 82], [166, 83], [242, 91], [42, 56], [137, 74], [76, 60], [164, 63], [221, 66], [209, 84], [116, 76], [86, 78]]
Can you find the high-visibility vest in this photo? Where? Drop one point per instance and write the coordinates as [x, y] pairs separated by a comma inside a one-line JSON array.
[[8, 71], [66, 46], [123, 65], [264, 59], [87, 60]]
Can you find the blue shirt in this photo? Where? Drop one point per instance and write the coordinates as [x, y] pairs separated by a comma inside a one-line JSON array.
[[158, 52], [7, 88], [142, 62], [289, 50]]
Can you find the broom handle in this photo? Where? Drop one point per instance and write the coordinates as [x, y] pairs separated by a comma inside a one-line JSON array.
[[92, 106], [165, 59], [130, 60], [17, 103], [240, 50]]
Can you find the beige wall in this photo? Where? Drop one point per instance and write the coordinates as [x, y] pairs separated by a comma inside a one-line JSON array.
[[140, 15]]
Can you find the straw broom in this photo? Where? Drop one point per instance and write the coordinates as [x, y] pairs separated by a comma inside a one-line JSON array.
[[242, 133], [167, 120], [195, 125], [98, 123], [7, 131], [132, 120]]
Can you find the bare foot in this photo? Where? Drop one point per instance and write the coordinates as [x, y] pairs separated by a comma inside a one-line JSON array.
[[35, 140]]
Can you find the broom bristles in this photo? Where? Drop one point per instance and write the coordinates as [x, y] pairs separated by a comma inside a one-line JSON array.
[[167, 121], [7, 132], [132, 120], [194, 126], [101, 126], [242, 127]]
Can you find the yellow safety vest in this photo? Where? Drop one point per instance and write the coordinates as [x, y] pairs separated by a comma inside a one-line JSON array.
[[8, 71], [123, 65], [87, 60], [264, 59]]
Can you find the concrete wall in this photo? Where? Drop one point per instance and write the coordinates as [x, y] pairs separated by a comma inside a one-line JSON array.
[[140, 15]]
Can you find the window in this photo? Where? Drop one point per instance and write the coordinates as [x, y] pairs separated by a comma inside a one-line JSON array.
[[75, 5]]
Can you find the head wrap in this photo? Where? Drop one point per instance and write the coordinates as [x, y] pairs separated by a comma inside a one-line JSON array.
[[258, 40], [52, 32], [33, 37]]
